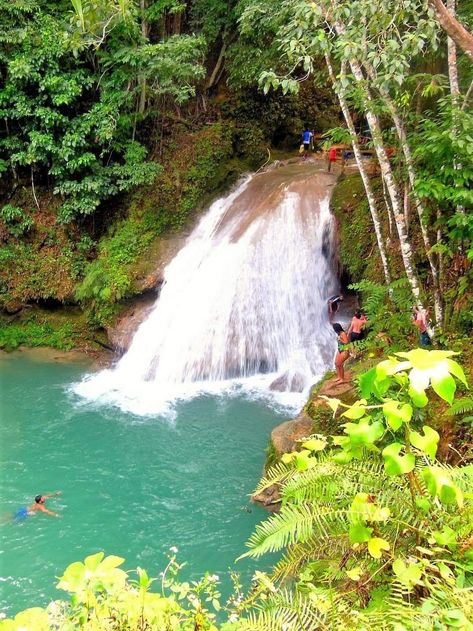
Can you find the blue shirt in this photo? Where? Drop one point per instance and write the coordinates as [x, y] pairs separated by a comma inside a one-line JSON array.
[[306, 136]]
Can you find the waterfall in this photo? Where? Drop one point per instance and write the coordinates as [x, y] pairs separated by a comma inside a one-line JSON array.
[[243, 303]]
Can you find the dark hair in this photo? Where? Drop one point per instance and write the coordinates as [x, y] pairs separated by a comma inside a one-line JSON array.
[[337, 328], [37, 499], [358, 313]]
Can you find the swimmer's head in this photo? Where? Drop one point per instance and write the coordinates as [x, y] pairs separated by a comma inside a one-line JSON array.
[[38, 499]]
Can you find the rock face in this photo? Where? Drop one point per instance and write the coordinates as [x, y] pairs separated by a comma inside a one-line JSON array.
[[286, 436], [149, 277], [121, 334]]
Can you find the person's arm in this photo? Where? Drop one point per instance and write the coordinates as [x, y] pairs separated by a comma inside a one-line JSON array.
[[47, 511], [48, 495]]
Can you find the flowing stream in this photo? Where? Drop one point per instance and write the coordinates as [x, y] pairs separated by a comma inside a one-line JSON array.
[[243, 306]]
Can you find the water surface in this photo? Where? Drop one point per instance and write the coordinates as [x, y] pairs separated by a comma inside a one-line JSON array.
[[132, 486]]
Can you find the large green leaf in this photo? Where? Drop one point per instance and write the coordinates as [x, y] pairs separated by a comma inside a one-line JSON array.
[[376, 545], [418, 397], [364, 433], [428, 442], [441, 485], [408, 574], [356, 411], [397, 413], [359, 533], [396, 464], [444, 385]]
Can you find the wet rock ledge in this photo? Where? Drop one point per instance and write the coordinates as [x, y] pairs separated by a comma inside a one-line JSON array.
[[315, 418]]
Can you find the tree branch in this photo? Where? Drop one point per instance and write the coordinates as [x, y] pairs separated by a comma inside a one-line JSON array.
[[454, 29]]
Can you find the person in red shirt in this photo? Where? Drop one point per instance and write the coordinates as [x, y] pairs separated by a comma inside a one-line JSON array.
[[332, 157]]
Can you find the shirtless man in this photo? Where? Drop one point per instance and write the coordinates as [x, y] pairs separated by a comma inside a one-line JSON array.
[[38, 506], [358, 322]]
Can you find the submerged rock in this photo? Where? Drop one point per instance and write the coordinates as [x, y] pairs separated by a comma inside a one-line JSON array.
[[288, 383]]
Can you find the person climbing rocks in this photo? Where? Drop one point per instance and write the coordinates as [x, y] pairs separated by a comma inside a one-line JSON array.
[[306, 141], [37, 506], [342, 353], [333, 304], [420, 319], [332, 158], [358, 322]]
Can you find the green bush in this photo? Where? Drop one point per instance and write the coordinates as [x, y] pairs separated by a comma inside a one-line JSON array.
[[16, 221]]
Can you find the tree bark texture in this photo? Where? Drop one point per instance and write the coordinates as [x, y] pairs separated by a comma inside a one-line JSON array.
[[462, 38], [361, 167]]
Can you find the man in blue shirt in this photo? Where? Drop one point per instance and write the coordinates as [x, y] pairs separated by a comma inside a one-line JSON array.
[[306, 140]]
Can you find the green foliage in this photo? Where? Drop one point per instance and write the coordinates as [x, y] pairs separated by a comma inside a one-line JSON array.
[[371, 512], [15, 220], [196, 166], [72, 97], [103, 596], [33, 333]]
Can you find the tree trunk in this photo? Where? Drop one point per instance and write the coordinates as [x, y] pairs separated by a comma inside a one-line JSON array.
[[454, 89], [421, 212], [361, 167], [391, 184], [216, 71], [462, 38], [142, 78]]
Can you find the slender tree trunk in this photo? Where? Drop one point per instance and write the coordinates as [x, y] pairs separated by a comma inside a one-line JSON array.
[[462, 38], [389, 210], [33, 188], [421, 211], [454, 89], [391, 184], [361, 167], [452, 60], [142, 78], [386, 172], [216, 71]]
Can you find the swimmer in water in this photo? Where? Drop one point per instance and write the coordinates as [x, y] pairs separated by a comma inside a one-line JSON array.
[[37, 506]]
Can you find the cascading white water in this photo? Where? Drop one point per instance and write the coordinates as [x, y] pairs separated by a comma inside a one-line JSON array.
[[243, 302]]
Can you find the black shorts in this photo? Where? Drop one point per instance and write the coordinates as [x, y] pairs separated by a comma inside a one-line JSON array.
[[354, 337], [306, 146]]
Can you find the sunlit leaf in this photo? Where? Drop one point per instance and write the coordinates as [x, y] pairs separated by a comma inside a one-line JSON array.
[[355, 573], [396, 464], [396, 413], [428, 442], [376, 545], [440, 485], [408, 574]]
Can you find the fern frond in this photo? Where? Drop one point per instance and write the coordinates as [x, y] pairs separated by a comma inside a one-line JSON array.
[[297, 556], [275, 475], [462, 406], [295, 524]]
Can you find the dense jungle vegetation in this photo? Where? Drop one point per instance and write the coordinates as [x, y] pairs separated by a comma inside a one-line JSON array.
[[119, 119]]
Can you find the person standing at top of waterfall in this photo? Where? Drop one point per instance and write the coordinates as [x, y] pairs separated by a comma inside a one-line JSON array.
[[332, 158], [355, 332], [333, 304], [306, 141], [342, 351]]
